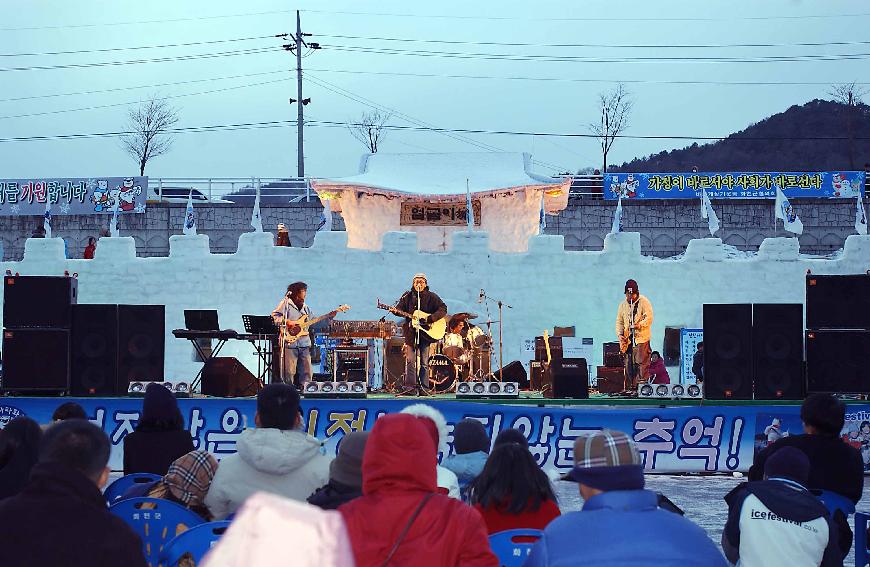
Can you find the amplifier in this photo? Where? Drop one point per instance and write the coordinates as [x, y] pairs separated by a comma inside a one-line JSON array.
[[611, 380], [613, 358], [555, 348]]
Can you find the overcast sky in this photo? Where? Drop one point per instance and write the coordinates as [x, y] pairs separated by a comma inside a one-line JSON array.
[[597, 43]]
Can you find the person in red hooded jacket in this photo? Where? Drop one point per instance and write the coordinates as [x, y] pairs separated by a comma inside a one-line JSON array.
[[401, 519]]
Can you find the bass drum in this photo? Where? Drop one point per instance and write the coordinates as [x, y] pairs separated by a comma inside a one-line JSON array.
[[442, 373]]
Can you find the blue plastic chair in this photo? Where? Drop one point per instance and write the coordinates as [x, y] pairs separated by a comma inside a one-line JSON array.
[[156, 521], [123, 484], [513, 553], [834, 501], [862, 557], [196, 541]]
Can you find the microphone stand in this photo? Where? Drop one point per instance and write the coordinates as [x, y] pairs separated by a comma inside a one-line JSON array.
[[500, 304]]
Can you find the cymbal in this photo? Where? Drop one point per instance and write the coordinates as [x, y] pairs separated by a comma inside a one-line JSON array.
[[464, 315], [487, 322]]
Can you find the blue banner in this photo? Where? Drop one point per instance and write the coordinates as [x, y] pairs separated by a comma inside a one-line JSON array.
[[734, 185], [670, 439], [73, 195]]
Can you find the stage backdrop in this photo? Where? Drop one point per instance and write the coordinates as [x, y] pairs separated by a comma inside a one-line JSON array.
[[72, 195], [736, 185], [670, 439]]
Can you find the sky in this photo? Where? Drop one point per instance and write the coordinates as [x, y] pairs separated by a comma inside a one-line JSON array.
[[702, 69]]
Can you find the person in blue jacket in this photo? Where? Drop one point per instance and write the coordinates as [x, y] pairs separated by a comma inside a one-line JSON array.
[[620, 523]]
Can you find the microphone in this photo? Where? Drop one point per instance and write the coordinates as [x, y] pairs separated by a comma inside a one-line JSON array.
[[481, 296]]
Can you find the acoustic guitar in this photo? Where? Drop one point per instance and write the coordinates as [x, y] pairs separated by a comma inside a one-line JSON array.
[[436, 330]]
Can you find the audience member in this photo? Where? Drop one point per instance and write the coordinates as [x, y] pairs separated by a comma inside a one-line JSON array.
[[835, 465], [471, 445], [658, 374], [268, 528], [60, 518], [274, 457], [68, 410], [777, 521], [90, 248], [510, 435], [345, 473], [437, 427], [186, 483], [159, 437], [401, 519], [19, 449], [698, 362], [620, 523], [513, 492]]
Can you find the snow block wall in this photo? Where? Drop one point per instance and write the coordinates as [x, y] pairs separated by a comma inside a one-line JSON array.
[[545, 286]]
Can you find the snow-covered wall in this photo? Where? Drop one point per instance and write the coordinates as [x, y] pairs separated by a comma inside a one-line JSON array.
[[546, 286]]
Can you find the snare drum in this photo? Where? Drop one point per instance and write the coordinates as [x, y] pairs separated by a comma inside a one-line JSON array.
[[442, 373], [452, 347], [478, 338]]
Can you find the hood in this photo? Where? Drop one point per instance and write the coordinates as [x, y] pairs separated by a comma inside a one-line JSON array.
[[276, 451], [466, 466], [424, 410], [782, 499], [400, 456]]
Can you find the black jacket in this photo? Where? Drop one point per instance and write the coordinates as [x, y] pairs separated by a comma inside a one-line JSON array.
[[698, 364], [333, 495], [60, 518], [429, 303], [153, 451], [16, 472]]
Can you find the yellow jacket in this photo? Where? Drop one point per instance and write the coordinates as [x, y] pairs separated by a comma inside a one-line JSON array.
[[643, 319]]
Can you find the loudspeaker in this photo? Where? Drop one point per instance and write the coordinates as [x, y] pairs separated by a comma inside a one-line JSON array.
[[838, 302], [613, 357], [610, 380], [837, 362], [141, 332], [35, 360], [226, 377], [671, 346], [536, 375], [394, 364], [94, 356], [38, 301], [777, 351], [728, 351], [514, 372], [555, 348], [570, 378]]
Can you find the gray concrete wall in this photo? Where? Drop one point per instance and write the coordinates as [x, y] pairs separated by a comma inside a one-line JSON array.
[[665, 227]]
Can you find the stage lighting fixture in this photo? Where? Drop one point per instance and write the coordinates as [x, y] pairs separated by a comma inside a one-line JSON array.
[[180, 390], [670, 391], [488, 390], [342, 389]]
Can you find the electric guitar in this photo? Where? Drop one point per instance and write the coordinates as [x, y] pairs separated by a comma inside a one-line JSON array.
[[436, 330], [547, 380], [305, 322]]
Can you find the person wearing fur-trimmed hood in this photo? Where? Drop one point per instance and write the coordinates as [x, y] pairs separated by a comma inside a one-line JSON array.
[[447, 479]]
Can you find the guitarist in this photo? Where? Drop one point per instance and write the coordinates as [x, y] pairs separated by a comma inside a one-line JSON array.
[[418, 345], [633, 321], [296, 356]]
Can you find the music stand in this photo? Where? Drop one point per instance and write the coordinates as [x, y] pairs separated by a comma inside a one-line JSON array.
[[264, 330], [201, 320], [259, 324]]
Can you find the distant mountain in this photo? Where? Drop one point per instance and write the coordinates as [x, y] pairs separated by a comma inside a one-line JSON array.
[[778, 143]]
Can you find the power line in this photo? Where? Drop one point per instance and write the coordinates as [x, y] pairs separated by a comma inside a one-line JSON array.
[[112, 49], [142, 22]]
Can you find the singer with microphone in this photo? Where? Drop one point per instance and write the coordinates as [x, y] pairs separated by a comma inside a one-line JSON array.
[[427, 308], [634, 319]]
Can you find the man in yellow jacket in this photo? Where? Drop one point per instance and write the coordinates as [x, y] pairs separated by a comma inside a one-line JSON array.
[[634, 316]]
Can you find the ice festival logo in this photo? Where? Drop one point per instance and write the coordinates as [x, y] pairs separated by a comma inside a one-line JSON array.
[[7, 414]]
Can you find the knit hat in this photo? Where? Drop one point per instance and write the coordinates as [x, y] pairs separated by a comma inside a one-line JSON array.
[[159, 404], [607, 460], [469, 436], [790, 463], [189, 477], [631, 285], [421, 275], [346, 468]]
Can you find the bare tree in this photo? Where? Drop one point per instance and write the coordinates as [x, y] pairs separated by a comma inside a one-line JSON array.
[[149, 127], [850, 95], [370, 128], [615, 111]]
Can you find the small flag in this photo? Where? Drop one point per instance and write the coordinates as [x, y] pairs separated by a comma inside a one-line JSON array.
[[189, 216], [256, 220], [113, 224], [542, 216], [469, 216], [617, 218], [46, 221], [860, 214], [786, 212], [326, 217], [708, 213]]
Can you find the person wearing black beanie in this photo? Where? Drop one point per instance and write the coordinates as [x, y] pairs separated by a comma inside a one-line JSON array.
[[471, 446], [160, 436], [634, 319]]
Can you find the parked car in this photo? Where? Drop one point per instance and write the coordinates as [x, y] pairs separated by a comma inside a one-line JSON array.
[[165, 194]]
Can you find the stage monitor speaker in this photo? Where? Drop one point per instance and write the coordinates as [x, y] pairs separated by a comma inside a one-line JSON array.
[[514, 372], [38, 301], [837, 362], [610, 380], [838, 302], [94, 356], [141, 336], [728, 351], [671, 346], [571, 378], [226, 377], [613, 357], [778, 351], [35, 360]]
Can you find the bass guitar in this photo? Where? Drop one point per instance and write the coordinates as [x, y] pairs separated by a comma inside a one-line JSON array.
[[304, 322], [436, 330]]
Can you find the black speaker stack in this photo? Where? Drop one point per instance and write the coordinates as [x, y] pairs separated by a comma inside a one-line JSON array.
[[753, 351], [52, 344], [838, 334]]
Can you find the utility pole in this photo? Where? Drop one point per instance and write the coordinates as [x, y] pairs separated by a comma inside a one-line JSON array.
[[296, 46]]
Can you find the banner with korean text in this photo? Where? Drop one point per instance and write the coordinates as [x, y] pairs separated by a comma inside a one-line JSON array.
[[72, 195]]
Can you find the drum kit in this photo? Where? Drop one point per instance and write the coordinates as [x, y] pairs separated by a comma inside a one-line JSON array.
[[463, 355]]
